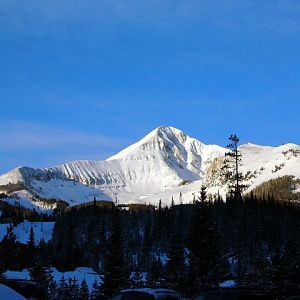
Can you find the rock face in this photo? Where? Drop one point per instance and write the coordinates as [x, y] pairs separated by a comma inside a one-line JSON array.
[[165, 163]]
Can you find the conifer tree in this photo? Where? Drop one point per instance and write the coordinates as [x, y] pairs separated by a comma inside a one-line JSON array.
[[74, 288], [172, 202], [176, 264], [204, 246], [116, 271], [84, 291], [62, 288], [230, 168], [147, 244], [41, 274], [69, 293], [31, 248], [8, 250], [40, 270], [31, 241], [96, 291], [53, 291], [158, 224]]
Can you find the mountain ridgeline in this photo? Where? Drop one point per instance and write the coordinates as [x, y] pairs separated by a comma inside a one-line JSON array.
[[164, 164]]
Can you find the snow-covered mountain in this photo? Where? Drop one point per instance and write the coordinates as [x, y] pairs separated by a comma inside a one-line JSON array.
[[165, 163]]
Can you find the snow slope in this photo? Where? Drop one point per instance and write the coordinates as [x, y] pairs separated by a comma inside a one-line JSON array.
[[79, 274], [265, 163], [160, 162], [42, 230], [32, 185], [165, 163]]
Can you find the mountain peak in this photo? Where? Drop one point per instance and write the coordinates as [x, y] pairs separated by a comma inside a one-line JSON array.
[[162, 164], [159, 139], [168, 129]]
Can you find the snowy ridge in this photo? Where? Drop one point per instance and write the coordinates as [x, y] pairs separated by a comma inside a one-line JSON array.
[[32, 185], [158, 163], [267, 163], [165, 163]]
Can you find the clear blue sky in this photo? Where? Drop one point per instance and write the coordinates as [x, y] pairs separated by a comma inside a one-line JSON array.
[[83, 79]]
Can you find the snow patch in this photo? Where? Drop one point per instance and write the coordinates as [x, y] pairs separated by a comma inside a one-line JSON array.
[[42, 230]]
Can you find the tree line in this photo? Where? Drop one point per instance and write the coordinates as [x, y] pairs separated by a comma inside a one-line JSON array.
[[252, 239]]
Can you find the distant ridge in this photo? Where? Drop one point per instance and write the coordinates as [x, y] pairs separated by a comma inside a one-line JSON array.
[[165, 163]]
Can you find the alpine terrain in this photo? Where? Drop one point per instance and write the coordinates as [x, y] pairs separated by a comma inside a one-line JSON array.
[[164, 164]]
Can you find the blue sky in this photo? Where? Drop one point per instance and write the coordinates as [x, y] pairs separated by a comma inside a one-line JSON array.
[[84, 79]]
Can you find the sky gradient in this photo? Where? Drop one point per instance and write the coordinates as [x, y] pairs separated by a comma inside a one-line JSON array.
[[84, 79]]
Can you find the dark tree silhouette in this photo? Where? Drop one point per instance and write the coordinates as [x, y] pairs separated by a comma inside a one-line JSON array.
[[116, 270], [204, 245], [230, 168]]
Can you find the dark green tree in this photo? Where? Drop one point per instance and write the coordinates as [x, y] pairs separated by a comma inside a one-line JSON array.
[[116, 270], [176, 273], [40, 270], [230, 168], [84, 291], [9, 250], [74, 288], [31, 248], [96, 291], [204, 245], [61, 291], [42, 275]]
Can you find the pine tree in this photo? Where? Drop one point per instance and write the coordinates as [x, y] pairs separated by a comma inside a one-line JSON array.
[[175, 275], [40, 270], [230, 168], [53, 291], [8, 250], [41, 274], [31, 248], [31, 241], [204, 246], [96, 291], [158, 224], [116, 271], [147, 244], [172, 202], [69, 290], [74, 288], [84, 291], [62, 289]]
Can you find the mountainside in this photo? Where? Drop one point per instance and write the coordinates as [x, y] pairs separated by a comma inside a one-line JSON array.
[[165, 163]]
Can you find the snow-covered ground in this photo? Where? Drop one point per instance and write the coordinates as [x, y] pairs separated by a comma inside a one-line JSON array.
[[42, 230], [24, 198], [79, 274], [267, 163], [227, 283]]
